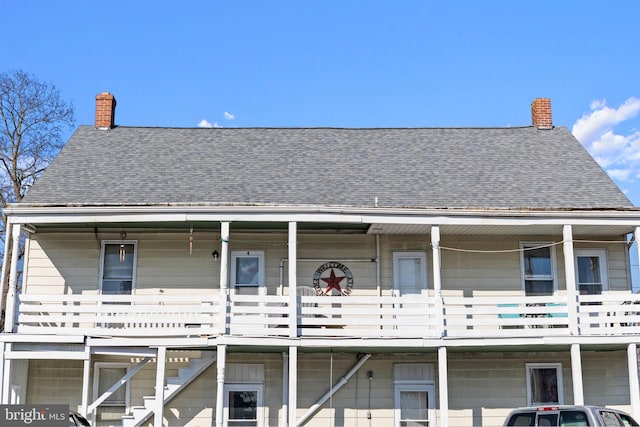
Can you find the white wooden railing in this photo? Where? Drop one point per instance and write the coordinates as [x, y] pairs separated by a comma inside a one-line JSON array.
[[118, 315], [322, 316]]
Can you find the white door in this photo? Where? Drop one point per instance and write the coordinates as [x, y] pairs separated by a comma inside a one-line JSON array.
[[409, 273], [247, 272], [591, 271]]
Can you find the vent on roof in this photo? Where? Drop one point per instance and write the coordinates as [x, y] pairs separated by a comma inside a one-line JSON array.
[[105, 110], [541, 113]]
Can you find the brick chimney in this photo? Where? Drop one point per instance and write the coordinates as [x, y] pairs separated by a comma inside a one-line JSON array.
[[105, 110], [541, 113]]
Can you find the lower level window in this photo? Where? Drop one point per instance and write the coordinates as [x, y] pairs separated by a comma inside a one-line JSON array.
[[544, 384], [243, 405], [413, 405]]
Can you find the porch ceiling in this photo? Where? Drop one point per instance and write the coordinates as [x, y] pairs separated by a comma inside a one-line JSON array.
[[536, 229], [355, 228]]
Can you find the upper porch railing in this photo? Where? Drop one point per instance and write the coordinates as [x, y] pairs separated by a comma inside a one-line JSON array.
[[323, 316]]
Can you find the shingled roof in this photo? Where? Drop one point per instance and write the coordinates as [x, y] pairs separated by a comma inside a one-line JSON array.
[[486, 168]]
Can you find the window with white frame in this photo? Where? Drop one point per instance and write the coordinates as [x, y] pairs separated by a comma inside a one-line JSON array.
[[414, 388], [243, 405], [409, 272], [544, 384], [538, 268], [106, 374], [591, 271], [247, 268], [118, 267]]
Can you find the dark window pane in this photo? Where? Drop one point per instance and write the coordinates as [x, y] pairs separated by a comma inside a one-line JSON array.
[[544, 385], [573, 419], [538, 287], [537, 262], [248, 271], [548, 419], [243, 405], [525, 419], [589, 269]]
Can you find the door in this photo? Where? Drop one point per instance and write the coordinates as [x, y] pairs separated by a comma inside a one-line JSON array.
[[591, 271], [409, 273]]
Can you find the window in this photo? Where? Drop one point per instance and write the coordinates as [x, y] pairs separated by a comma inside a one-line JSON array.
[[414, 394], [412, 403], [591, 271], [409, 272], [544, 384], [243, 405], [538, 268], [115, 406], [118, 267], [247, 268]]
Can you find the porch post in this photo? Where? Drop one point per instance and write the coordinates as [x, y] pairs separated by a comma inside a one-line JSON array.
[[437, 282], [224, 276], [570, 279], [13, 279], [443, 386], [161, 362], [6, 376], [284, 418], [86, 371], [293, 279], [221, 361], [5, 259], [3, 349], [634, 387], [576, 375], [293, 385]]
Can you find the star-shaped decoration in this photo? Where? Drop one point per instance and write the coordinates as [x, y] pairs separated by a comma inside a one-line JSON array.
[[333, 282]]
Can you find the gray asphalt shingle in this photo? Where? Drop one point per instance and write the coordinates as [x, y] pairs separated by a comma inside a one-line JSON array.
[[519, 167]]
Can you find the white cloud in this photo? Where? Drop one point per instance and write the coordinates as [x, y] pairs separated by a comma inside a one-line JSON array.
[[621, 174], [617, 153], [229, 116], [603, 118], [207, 124]]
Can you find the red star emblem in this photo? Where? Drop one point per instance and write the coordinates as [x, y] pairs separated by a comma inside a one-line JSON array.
[[333, 282]]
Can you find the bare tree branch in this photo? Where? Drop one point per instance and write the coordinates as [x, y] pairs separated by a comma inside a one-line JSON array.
[[32, 118]]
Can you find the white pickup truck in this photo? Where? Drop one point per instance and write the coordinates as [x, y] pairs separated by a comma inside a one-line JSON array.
[[564, 415]]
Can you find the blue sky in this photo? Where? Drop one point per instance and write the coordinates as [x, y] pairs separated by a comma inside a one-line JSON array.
[[344, 63]]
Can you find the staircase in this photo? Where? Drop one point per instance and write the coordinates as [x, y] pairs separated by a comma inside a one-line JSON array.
[[139, 414]]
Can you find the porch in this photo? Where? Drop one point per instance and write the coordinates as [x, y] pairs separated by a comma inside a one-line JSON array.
[[383, 317]]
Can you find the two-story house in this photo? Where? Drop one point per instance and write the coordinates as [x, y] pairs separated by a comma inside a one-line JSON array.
[[321, 276]]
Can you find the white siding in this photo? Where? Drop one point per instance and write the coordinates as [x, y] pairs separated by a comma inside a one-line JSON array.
[[69, 262]]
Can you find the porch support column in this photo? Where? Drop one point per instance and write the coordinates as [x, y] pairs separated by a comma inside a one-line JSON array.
[[158, 411], [293, 385], [3, 350], [576, 375], [570, 279], [13, 279], [86, 371], [443, 386], [224, 276], [437, 282], [5, 259], [293, 275], [284, 418], [6, 378], [634, 386], [221, 361]]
